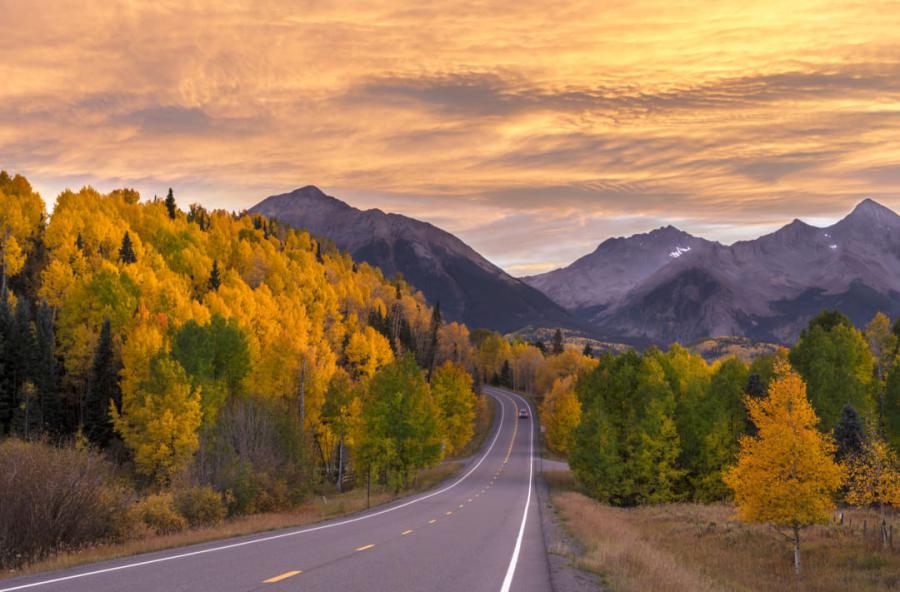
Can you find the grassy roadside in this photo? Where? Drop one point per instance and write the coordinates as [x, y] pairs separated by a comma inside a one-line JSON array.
[[693, 547], [317, 509]]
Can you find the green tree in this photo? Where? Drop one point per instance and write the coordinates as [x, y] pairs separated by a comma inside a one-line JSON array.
[[47, 372], [557, 345], [850, 434], [126, 251], [891, 407], [588, 351], [171, 206], [725, 422], [214, 280], [400, 422], [216, 357], [835, 362], [626, 444], [102, 390]]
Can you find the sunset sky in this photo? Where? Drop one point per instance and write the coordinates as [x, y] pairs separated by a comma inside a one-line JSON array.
[[533, 130]]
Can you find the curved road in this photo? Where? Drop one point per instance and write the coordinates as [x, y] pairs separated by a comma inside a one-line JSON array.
[[479, 532]]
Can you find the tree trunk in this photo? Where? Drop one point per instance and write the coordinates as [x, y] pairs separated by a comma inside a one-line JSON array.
[[303, 393], [340, 480], [797, 550]]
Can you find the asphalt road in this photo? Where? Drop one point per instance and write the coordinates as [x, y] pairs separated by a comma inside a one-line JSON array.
[[478, 532]]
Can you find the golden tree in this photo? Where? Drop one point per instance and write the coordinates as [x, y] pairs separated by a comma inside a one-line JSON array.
[[561, 413], [873, 479], [785, 475]]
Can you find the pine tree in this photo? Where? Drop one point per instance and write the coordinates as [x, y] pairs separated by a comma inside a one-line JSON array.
[[849, 435], [79, 243], [558, 345], [434, 334], [103, 389], [214, 280], [785, 476], [588, 351], [126, 251], [46, 377], [171, 206], [505, 378]]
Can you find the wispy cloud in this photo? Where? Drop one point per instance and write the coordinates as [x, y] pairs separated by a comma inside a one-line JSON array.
[[534, 133]]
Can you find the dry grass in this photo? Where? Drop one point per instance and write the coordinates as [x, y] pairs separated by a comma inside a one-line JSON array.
[[681, 547], [315, 510]]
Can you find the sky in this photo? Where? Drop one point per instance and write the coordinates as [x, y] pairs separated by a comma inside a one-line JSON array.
[[533, 130]]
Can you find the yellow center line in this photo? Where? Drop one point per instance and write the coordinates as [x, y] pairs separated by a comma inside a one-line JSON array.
[[432, 521], [284, 576], [364, 547], [406, 532]]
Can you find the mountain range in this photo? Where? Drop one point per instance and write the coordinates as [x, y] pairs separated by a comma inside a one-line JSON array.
[[469, 288], [657, 287], [667, 285]]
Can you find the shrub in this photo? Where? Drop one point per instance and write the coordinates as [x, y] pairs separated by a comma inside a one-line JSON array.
[[201, 506], [159, 514], [53, 499], [252, 442]]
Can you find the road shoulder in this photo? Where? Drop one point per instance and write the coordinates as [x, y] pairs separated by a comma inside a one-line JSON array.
[[562, 549]]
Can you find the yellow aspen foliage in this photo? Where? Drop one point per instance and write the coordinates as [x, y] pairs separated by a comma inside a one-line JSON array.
[[568, 363], [159, 420], [873, 476], [561, 413], [21, 216], [13, 256], [451, 387], [785, 475], [367, 352]]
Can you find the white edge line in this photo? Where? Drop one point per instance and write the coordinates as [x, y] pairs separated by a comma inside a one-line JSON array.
[[277, 536], [514, 560]]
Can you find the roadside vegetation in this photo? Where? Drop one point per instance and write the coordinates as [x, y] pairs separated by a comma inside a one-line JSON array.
[[786, 465], [688, 547], [164, 370]]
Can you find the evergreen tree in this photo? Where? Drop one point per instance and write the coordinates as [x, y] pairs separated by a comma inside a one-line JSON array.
[[540, 345], [755, 387], [557, 344], [588, 351], [214, 279], [103, 389], [434, 334], [126, 251], [505, 378], [46, 377], [79, 243], [171, 206], [849, 435], [7, 392]]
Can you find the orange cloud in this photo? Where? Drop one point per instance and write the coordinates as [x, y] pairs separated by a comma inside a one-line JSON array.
[[576, 120]]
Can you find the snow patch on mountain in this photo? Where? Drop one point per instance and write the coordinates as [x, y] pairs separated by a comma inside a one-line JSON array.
[[678, 252]]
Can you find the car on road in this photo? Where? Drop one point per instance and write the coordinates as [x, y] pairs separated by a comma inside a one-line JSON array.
[[523, 413]]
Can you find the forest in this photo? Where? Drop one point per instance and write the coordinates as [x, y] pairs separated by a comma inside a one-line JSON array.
[[787, 438], [163, 368]]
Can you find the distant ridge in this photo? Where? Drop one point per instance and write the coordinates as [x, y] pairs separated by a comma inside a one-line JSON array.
[[470, 288], [667, 285]]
